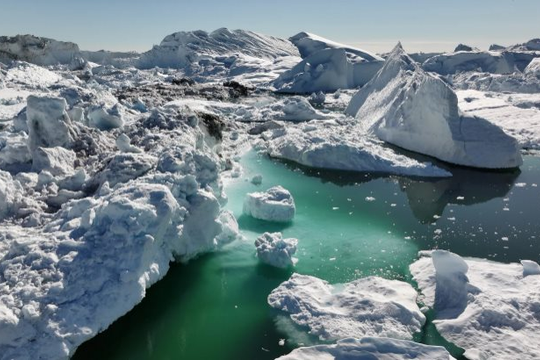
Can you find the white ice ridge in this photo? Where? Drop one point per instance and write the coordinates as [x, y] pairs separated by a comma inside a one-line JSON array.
[[276, 204], [415, 110], [327, 66], [486, 61], [274, 250], [340, 146], [369, 306], [489, 309], [183, 48], [369, 348], [533, 68], [37, 50]]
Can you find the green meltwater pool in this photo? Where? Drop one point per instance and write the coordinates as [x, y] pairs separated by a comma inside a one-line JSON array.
[[349, 226]]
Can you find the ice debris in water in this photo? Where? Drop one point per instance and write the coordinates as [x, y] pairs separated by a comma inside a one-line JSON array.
[[276, 204], [274, 250]]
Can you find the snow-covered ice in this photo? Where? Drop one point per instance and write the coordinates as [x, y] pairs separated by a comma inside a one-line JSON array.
[[276, 204], [489, 309], [274, 250], [487, 61], [410, 108], [370, 306], [342, 146], [369, 348]]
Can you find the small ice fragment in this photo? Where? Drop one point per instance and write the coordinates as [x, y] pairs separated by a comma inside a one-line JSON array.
[[281, 342], [257, 179], [460, 198], [370, 198], [520, 185]]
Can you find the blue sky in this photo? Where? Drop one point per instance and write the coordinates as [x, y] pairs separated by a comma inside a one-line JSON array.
[[373, 25]]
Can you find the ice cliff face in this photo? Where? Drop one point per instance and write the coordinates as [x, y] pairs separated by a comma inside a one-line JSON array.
[[410, 108]]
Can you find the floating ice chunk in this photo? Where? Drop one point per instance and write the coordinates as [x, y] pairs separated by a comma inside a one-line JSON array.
[[56, 160], [489, 309], [369, 306], [123, 143], [273, 250], [276, 204], [530, 268], [257, 179], [410, 108], [369, 348]]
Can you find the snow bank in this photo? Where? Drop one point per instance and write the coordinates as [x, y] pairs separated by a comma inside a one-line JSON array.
[[329, 145], [485, 61], [327, 66], [273, 250], [407, 107], [369, 348], [369, 306], [490, 309], [276, 204]]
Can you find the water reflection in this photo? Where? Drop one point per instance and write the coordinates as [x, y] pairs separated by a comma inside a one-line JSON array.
[[428, 197]]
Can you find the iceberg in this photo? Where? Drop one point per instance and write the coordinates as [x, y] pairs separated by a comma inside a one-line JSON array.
[[37, 50], [464, 60], [369, 348], [274, 250], [489, 309], [327, 66], [410, 108], [276, 204], [370, 306]]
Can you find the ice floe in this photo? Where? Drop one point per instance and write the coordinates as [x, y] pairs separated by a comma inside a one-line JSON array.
[[369, 348], [489, 309], [369, 306]]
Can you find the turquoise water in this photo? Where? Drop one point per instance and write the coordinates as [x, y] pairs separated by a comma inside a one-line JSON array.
[[215, 307]]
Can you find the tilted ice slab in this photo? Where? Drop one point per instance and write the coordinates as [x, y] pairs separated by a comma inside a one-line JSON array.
[[369, 348], [276, 204], [410, 108], [342, 146], [487, 61], [274, 250], [490, 309], [517, 114], [370, 306], [327, 66]]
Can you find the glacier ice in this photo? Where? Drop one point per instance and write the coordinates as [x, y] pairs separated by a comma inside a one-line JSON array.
[[410, 108]]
